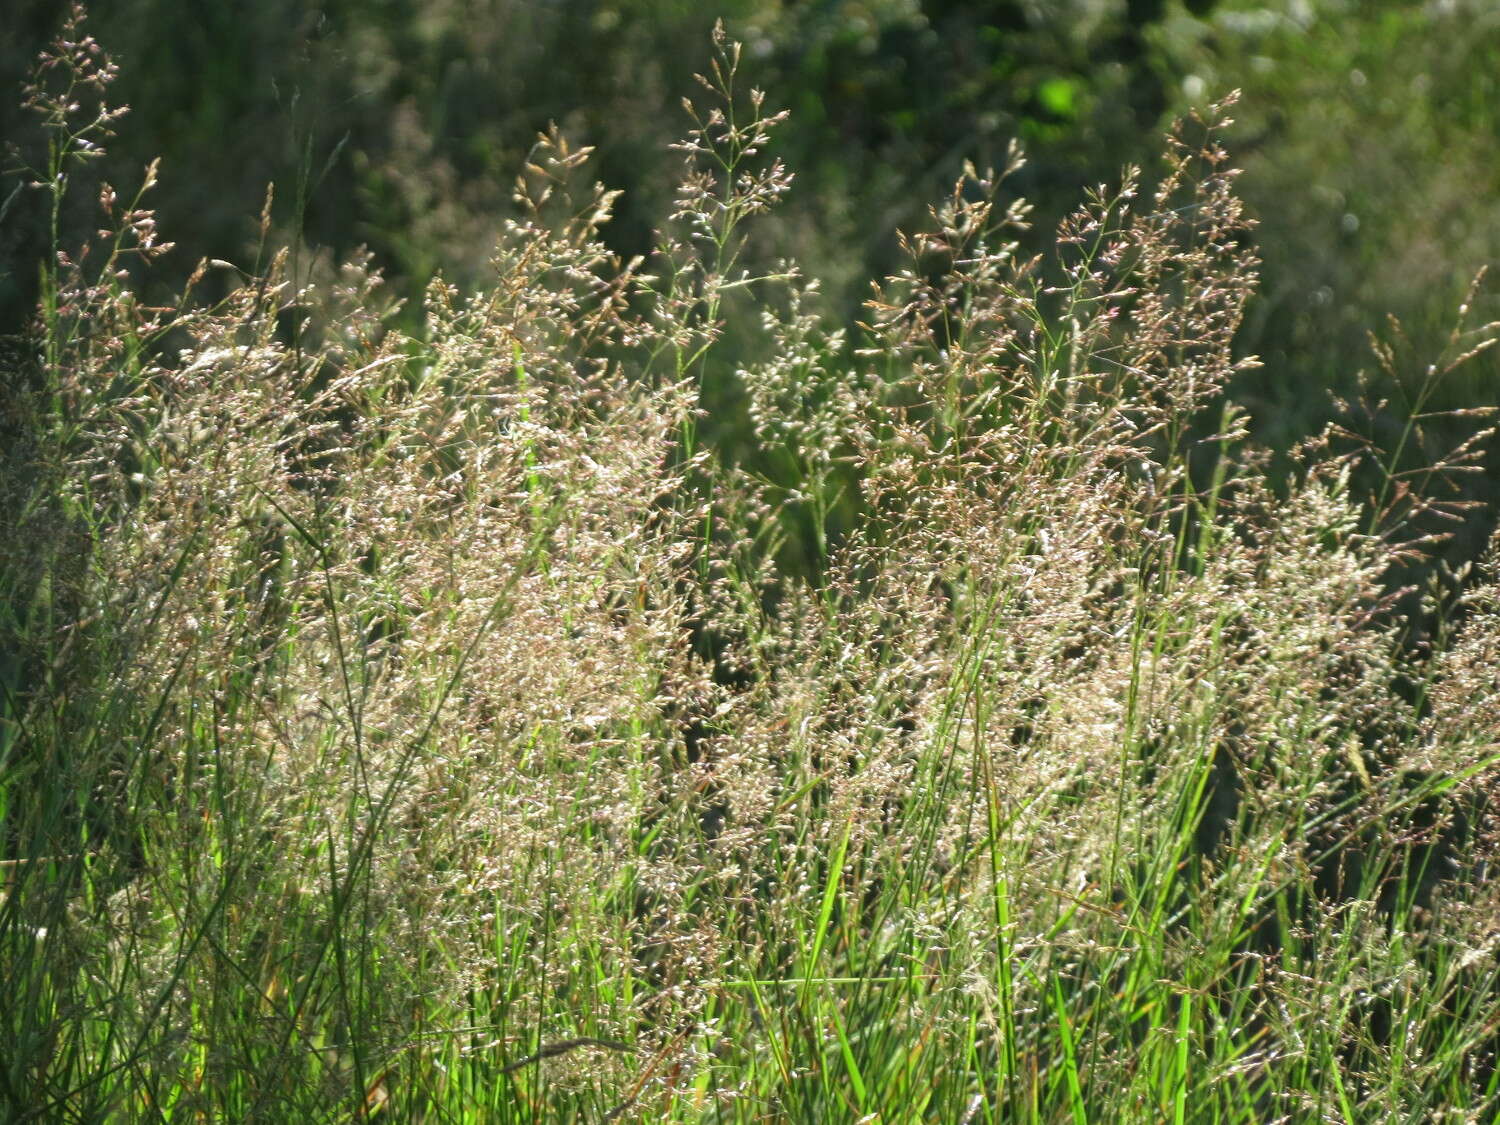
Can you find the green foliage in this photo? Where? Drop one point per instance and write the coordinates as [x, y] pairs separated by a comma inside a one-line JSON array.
[[415, 719], [399, 126]]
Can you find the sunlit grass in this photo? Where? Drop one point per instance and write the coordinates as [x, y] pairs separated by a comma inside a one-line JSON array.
[[423, 727]]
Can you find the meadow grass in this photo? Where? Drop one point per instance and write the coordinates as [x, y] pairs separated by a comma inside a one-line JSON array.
[[426, 726]]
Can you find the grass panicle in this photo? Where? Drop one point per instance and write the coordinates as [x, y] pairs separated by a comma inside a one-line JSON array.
[[430, 725]]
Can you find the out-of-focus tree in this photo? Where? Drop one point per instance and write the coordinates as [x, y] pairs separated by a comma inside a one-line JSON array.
[[400, 124], [1370, 138], [1367, 133]]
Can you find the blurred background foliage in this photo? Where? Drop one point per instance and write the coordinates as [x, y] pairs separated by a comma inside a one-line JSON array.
[[1367, 136]]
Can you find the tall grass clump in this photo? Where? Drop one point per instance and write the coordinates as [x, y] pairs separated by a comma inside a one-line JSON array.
[[425, 726]]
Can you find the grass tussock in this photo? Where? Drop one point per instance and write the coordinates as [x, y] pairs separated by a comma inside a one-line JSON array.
[[428, 725]]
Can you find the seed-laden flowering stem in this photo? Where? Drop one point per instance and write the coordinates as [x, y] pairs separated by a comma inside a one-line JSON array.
[[399, 708]]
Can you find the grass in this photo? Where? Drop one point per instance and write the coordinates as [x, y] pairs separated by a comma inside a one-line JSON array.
[[425, 726]]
